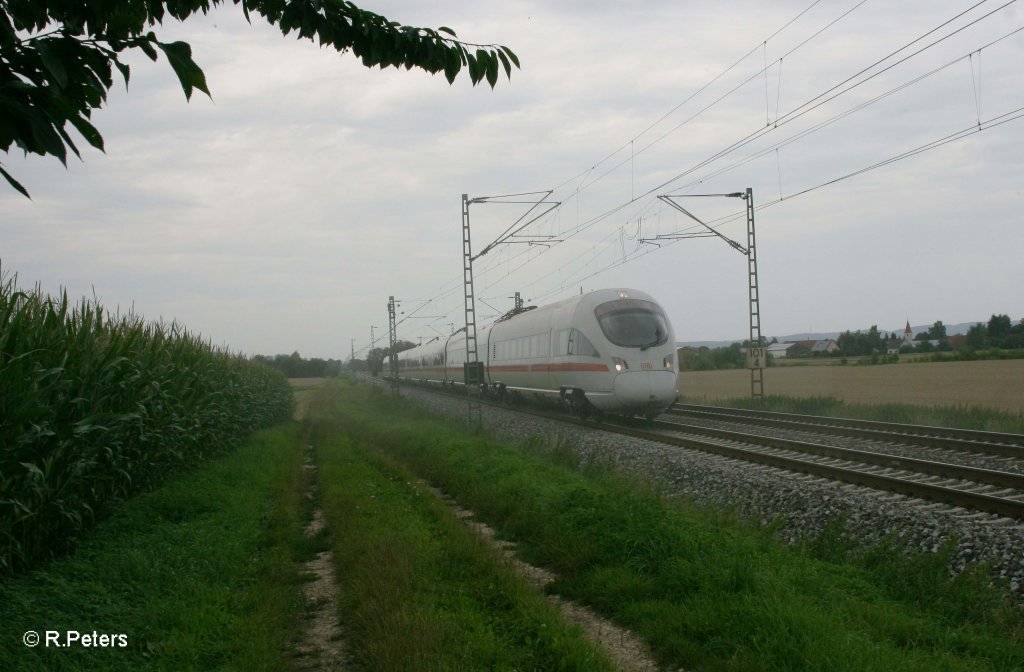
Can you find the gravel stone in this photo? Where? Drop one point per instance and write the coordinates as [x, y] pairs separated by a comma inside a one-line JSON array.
[[800, 505]]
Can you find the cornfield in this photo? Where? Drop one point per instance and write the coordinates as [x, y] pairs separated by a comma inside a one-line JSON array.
[[95, 407]]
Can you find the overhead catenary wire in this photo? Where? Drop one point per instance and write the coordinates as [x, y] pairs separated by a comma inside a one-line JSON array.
[[453, 285], [1000, 120], [804, 108], [693, 95], [727, 94], [843, 87]]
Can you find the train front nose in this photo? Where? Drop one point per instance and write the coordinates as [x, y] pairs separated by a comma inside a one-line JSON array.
[[645, 391]]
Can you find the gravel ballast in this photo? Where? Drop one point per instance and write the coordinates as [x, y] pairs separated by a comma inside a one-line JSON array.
[[802, 506]]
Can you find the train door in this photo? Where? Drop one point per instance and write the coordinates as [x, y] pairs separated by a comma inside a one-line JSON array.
[[560, 359]]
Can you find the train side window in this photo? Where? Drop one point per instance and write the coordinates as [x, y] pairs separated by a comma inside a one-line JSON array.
[[580, 345]]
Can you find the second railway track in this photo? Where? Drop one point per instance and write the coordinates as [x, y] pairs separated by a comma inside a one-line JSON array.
[[993, 491], [967, 440], [988, 490], [800, 506]]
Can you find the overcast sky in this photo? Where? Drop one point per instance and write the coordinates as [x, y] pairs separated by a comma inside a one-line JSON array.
[[281, 214]]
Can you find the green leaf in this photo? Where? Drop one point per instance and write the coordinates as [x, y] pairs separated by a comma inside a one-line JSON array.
[[47, 141], [14, 183], [481, 65], [125, 71], [88, 131], [446, 29], [452, 64], [147, 48], [179, 54], [505, 64], [512, 56], [492, 70], [474, 69], [52, 63], [68, 141]]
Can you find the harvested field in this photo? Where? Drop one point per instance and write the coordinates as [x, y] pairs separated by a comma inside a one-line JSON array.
[[994, 384]]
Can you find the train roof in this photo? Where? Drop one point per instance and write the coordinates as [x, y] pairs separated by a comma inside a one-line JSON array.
[[590, 300]]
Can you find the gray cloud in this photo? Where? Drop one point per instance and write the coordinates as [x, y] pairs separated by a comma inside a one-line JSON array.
[[281, 214]]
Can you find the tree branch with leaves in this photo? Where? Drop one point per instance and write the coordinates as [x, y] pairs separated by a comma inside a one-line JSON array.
[[57, 57]]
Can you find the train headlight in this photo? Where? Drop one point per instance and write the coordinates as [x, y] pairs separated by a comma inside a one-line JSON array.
[[620, 364], [670, 362]]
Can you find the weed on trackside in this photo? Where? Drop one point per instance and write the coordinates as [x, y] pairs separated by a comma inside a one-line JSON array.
[[705, 591]]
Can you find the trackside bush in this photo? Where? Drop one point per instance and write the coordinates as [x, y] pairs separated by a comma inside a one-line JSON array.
[[95, 407]]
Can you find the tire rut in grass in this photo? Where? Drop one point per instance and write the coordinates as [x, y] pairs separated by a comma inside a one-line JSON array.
[[321, 647], [626, 649]]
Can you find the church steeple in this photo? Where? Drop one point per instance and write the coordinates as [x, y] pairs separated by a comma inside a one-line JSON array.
[[908, 333]]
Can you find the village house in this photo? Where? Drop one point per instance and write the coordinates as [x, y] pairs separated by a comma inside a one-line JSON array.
[[807, 348]]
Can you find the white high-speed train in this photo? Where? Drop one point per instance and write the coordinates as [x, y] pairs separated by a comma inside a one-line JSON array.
[[609, 351]]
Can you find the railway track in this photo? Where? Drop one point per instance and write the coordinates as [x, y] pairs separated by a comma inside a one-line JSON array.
[[978, 489], [987, 490], [987, 443]]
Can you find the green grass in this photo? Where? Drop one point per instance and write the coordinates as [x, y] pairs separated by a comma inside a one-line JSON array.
[[418, 590], [707, 592], [204, 573], [200, 574], [962, 417]]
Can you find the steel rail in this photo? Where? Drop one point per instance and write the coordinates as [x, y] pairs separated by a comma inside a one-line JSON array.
[[1002, 506], [963, 472], [988, 443]]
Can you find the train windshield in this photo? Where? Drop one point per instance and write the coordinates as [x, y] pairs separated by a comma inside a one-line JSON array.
[[633, 323]]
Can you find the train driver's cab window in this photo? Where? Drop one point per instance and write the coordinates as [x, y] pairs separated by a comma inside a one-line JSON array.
[[561, 340], [633, 323]]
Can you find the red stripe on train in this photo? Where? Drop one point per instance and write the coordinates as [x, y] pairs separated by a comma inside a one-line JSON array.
[[521, 368], [570, 367]]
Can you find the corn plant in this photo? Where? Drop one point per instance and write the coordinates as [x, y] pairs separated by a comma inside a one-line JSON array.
[[95, 407]]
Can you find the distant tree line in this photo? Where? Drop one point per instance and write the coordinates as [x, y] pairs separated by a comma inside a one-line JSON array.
[[376, 358], [294, 366], [710, 359], [852, 344], [733, 356], [999, 334]]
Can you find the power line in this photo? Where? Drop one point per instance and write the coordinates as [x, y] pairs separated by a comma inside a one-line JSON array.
[[529, 256], [799, 111], [693, 95], [994, 122]]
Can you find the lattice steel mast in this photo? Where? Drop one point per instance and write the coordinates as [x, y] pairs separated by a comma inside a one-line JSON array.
[[392, 339], [756, 370], [472, 369], [756, 373]]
